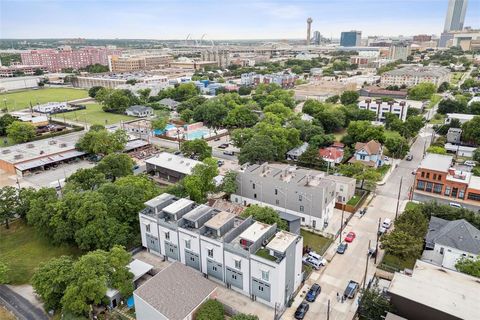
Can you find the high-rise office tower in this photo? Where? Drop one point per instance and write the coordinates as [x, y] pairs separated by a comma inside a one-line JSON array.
[[455, 15], [309, 29], [317, 38], [454, 20], [351, 38]]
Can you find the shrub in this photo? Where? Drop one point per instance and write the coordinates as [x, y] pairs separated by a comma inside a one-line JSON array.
[[210, 310]]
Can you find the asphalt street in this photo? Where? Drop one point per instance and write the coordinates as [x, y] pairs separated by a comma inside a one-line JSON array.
[[351, 266], [20, 307]]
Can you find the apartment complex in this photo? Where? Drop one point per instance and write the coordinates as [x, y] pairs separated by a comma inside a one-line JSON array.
[[350, 39], [301, 192], [381, 108], [399, 51], [20, 69], [154, 82], [129, 63], [437, 176], [247, 256], [413, 75], [56, 60], [254, 79]]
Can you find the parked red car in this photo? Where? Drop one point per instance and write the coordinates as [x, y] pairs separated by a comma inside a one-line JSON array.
[[350, 236]]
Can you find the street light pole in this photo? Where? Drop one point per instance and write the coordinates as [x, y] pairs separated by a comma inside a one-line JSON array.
[[366, 268], [328, 310], [398, 198], [341, 224], [378, 236]]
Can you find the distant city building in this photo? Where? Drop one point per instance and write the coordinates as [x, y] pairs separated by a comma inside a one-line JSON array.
[[56, 60], [413, 75], [455, 15], [466, 39], [155, 82], [129, 63], [317, 38], [399, 51], [220, 56], [351, 39], [381, 108], [379, 92], [254, 79], [422, 38]]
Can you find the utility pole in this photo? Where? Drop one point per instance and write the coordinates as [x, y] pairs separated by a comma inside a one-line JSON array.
[[328, 310], [398, 198], [341, 224], [378, 237], [366, 268]]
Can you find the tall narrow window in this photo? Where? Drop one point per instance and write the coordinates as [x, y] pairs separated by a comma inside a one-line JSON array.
[[210, 253]]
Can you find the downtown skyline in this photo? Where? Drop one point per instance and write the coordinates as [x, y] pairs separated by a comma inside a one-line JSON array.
[[168, 20]]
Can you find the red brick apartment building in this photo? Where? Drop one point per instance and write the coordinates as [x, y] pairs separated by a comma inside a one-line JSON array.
[[437, 176]]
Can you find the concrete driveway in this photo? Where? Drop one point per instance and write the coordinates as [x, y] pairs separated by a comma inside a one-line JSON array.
[[351, 265]]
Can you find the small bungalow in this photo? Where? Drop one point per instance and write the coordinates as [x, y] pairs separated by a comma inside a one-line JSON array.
[[169, 103], [139, 111], [295, 153], [331, 154], [370, 154]]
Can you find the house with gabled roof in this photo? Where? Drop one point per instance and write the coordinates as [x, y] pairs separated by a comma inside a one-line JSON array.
[[370, 154], [449, 241]]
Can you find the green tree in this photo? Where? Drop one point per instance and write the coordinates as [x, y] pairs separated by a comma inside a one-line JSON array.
[[471, 130], [212, 113], [4, 270], [321, 140], [397, 145], [452, 106], [373, 305], [469, 266], [42, 207], [241, 136], [349, 97], [476, 155], [422, 91], [159, 123], [331, 119], [201, 181], [210, 310], [264, 214], [402, 244], [86, 179], [115, 165], [413, 222], [21, 132], [311, 159], [444, 86], [92, 92], [229, 183], [361, 172], [244, 90], [279, 109], [51, 280], [144, 94], [186, 115], [257, 150], [100, 141], [474, 107], [5, 121], [436, 149], [333, 99], [8, 204], [363, 131], [241, 117], [197, 147]]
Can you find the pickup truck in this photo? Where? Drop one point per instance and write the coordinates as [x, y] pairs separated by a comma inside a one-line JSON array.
[[351, 289]]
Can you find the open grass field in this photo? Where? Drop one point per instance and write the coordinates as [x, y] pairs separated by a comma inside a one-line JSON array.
[[23, 250], [315, 241], [22, 99], [93, 115]]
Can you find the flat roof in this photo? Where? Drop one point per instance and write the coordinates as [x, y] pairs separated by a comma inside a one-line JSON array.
[[462, 116], [136, 143], [219, 220], [197, 213], [437, 162], [36, 149], [139, 268], [178, 205], [176, 291], [255, 231], [158, 200], [455, 293], [49, 160], [281, 241], [474, 182], [173, 162]]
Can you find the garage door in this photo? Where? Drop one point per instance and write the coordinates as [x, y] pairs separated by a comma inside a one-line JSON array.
[[234, 277], [215, 269], [261, 289], [171, 250], [192, 260], [152, 243]]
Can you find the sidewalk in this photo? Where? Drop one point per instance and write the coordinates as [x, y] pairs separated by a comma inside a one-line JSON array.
[[394, 163]]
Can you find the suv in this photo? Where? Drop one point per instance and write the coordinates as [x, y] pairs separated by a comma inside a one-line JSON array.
[[351, 289], [314, 263], [302, 310], [470, 163], [342, 248], [223, 146], [409, 157], [314, 292], [229, 153]]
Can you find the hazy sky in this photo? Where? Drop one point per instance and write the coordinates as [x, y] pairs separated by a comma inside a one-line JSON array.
[[222, 19]]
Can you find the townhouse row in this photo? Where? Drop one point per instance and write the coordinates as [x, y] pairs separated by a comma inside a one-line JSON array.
[[247, 256]]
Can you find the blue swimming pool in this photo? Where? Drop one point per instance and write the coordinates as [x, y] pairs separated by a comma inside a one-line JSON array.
[[197, 134]]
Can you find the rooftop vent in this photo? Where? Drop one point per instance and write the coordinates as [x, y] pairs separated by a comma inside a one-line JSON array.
[[63, 145], [51, 142], [6, 151], [18, 156]]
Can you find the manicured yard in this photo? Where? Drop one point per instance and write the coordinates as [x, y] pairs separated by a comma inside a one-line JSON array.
[[383, 169], [22, 99], [438, 119], [353, 202], [264, 253], [23, 249], [456, 76], [315, 241], [393, 263], [93, 115]]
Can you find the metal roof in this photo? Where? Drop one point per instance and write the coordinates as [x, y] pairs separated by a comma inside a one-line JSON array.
[[49, 160], [173, 162], [436, 162]]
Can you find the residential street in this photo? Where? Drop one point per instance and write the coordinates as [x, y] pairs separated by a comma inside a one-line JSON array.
[[351, 266]]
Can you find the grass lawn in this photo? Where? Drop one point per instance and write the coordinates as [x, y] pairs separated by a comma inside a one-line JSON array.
[[456, 76], [21, 99], [383, 169], [264, 253], [393, 263], [23, 249], [6, 142], [434, 100], [340, 135], [315, 241], [390, 133], [438, 119], [93, 115], [353, 202]]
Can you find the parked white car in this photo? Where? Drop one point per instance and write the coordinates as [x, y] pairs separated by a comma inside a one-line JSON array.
[[470, 163]]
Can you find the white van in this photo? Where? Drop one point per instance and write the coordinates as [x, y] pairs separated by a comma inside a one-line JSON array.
[[387, 223], [455, 205], [315, 256]]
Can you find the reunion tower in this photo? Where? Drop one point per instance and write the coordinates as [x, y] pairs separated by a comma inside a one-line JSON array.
[[309, 28]]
